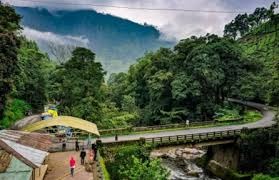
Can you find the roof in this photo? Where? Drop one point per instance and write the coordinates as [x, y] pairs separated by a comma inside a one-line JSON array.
[[5, 159], [16, 170], [66, 121], [32, 157], [34, 140]]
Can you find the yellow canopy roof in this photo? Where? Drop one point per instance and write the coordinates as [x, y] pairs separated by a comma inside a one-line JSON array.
[[67, 121]]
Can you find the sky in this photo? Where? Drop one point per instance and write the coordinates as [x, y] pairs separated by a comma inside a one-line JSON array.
[[173, 25]]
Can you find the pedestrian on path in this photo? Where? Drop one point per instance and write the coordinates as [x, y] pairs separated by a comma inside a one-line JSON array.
[[116, 137], [72, 165], [82, 156], [63, 145], [77, 145]]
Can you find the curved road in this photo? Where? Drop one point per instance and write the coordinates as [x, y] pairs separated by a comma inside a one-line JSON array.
[[266, 121]]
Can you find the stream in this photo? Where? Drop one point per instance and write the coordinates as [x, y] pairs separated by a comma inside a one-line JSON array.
[[180, 161]]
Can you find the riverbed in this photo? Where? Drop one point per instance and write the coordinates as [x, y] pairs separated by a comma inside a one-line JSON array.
[[180, 161]]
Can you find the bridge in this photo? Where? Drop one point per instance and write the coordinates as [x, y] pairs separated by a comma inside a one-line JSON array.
[[201, 134]]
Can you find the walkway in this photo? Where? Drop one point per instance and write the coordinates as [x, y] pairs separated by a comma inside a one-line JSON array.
[[266, 121], [58, 167]]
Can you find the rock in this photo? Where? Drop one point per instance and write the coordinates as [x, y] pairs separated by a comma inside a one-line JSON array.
[[178, 152], [193, 173]]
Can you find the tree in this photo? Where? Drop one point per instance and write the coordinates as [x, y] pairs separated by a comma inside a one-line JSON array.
[[118, 87], [78, 84], [9, 44], [31, 82]]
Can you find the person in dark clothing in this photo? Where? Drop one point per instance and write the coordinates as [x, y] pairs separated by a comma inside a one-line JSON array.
[[116, 137], [82, 156], [63, 145], [77, 145], [94, 148]]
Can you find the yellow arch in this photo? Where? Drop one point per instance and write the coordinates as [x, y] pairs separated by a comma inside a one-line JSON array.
[[67, 121]]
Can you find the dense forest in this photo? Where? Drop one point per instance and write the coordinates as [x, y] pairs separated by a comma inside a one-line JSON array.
[[190, 81]]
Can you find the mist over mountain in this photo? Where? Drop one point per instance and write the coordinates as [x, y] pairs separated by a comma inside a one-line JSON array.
[[117, 42]]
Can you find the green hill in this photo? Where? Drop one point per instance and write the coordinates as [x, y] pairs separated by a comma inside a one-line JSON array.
[[262, 45]]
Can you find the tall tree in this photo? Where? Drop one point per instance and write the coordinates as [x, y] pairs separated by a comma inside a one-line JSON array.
[[9, 43], [79, 85], [32, 80]]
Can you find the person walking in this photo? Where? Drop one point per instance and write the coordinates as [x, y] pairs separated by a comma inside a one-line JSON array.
[[94, 148], [77, 145], [72, 165], [82, 156], [63, 145]]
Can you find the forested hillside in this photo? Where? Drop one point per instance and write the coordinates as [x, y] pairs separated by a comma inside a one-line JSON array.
[[116, 41], [262, 45]]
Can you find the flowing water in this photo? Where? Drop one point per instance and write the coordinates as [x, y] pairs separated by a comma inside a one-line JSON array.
[[180, 161]]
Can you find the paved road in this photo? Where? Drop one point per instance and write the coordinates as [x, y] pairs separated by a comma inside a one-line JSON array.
[[266, 121]]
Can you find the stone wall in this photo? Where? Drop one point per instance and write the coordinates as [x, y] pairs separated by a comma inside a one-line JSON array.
[[226, 154]]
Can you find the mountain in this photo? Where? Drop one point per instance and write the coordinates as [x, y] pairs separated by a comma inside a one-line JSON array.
[[117, 42]]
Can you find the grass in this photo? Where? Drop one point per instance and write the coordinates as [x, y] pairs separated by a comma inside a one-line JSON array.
[[252, 116], [249, 116], [104, 169]]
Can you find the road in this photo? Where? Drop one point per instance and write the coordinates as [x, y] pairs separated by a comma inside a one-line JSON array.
[[266, 121]]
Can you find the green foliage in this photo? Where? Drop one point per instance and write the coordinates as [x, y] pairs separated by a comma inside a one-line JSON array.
[[260, 151], [15, 109], [264, 177], [104, 169], [77, 86], [273, 168], [31, 83], [260, 46], [224, 114], [148, 170], [132, 162], [251, 115], [190, 82], [9, 43], [244, 23], [115, 118]]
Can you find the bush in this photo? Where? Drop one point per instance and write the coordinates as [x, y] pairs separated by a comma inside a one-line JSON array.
[[121, 166], [15, 109], [264, 177], [147, 170]]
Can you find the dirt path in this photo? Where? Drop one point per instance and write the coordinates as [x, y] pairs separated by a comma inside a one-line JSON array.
[[59, 167]]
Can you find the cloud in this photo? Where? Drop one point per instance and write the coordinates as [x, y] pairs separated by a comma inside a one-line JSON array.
[[173, 25], [39, 36]]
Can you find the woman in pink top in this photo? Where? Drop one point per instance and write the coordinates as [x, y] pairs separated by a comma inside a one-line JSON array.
[[72, 165]]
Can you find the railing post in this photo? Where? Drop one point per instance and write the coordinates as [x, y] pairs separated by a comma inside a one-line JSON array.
[[193, 137], [153, 140], [214, 135], [161, 139], [176, 138], [169, 139]]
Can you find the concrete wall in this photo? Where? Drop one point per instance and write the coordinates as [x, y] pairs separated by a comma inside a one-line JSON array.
[[226, 154]]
